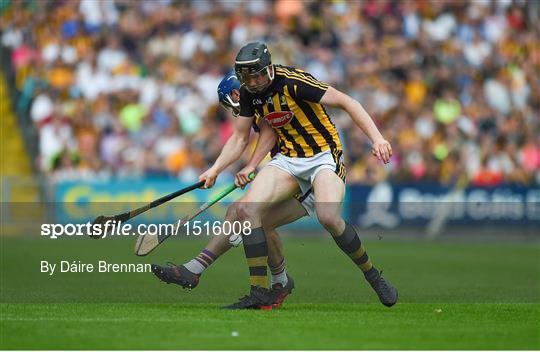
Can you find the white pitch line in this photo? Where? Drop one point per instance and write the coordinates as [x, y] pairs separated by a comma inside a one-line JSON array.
[[4, 318]]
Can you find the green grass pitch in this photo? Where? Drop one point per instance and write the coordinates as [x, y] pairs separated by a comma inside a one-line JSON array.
[[453, 295]]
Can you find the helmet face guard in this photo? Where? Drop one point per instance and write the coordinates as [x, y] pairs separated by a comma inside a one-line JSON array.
[[228, 104], [247, 75], [225, 90], [253, 63]]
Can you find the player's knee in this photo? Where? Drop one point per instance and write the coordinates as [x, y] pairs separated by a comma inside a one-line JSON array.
[[271, 233], [246, 211], [268, 223], [266, 227], [232, 212], [329, 220]]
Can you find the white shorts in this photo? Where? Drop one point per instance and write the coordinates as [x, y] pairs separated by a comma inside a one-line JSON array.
[[307, 200], [304, 171]]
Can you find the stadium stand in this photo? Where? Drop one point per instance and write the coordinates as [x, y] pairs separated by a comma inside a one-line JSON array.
[[118, 88]]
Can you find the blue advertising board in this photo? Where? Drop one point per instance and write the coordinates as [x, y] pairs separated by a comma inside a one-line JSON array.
[[389, 206], [384, 205]]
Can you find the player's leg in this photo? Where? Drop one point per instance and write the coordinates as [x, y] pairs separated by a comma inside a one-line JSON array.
[[280, 214], [329, 190], [216, 246], [188, 274], [272, 185], [284, 213]]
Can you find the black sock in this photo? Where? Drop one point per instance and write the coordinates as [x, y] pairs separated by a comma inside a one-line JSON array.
[[256, 250], [350, 243]]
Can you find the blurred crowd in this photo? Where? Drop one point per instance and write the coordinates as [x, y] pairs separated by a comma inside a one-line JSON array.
[[127, 88]]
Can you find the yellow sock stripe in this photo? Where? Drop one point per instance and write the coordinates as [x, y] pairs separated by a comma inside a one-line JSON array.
[[359, 252], [366, 266], [258, 281], [257, 261]]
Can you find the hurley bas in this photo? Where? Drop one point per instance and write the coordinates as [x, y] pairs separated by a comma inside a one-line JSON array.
[[76, 266]]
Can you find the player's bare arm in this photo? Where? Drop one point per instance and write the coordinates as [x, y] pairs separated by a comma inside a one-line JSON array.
[[381, 148], [231, 152], [265, 143]]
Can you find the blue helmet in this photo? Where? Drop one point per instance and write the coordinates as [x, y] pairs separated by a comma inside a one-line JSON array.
[[225, 89]]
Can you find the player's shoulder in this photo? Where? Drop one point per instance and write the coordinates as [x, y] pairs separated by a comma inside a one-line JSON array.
[[293, 76], [291, 72]]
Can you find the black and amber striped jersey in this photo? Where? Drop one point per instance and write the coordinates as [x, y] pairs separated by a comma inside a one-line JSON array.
[[291, 106]]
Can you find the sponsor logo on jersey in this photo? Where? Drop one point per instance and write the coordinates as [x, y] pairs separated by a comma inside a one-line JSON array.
[[257, 101], [279, 118]]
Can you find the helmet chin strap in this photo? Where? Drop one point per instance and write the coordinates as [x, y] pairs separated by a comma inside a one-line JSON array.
[[233, 107], [270, 75]]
